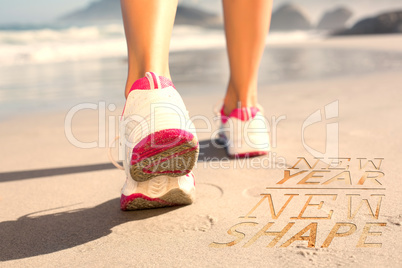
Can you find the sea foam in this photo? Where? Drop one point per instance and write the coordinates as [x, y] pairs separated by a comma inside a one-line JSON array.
[[47, 45]]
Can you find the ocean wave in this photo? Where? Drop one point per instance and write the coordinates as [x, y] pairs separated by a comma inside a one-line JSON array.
[[52, 45], [49, 45]]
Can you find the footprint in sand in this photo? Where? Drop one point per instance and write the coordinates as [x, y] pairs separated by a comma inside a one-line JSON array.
[[171, 223], [207, 191], [200, 223]]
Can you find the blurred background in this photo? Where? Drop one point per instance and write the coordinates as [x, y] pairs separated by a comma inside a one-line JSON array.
[[56, 54]]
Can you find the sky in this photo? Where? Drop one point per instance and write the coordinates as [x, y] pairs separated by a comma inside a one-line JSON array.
[[36, 11], [42, 11]]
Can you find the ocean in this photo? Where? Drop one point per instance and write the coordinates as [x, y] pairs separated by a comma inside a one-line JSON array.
[[45, 68], [49, 44]]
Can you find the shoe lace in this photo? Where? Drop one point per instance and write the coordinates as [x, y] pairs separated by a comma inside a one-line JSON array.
[[110, 156]]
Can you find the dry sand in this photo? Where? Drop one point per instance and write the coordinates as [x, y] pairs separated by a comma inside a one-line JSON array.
[[56, 217]]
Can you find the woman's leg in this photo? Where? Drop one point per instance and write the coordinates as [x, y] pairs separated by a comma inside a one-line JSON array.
[[246, 25], [160, 146], [148, 26]]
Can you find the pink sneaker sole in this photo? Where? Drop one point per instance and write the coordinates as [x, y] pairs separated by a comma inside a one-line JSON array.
[[175, 197], [171, 152]]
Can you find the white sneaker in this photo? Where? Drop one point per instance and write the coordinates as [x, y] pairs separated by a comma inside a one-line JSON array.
[[158, 192], [157, 140], [244, 132]]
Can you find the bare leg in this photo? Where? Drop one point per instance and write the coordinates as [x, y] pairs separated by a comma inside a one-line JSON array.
[[246, 25], [148, 26]]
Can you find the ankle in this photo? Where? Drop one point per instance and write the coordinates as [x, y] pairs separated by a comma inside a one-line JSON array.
[[134, 76], [238, 99]]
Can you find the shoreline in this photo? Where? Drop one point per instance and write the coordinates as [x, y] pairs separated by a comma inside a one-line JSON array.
[[367, 55]]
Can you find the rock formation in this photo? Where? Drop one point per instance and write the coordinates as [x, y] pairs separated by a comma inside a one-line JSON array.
[[335, 19], [290, 17]]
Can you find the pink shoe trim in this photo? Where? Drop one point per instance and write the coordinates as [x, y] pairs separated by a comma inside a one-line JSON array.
[[192, 175], [244, 114], [126, 200], [158, 142], [143, 83], [143, 150], [124, 108], [154, 80]]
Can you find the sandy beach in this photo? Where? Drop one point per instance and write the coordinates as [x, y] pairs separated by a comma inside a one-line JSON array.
[[60, 203]]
